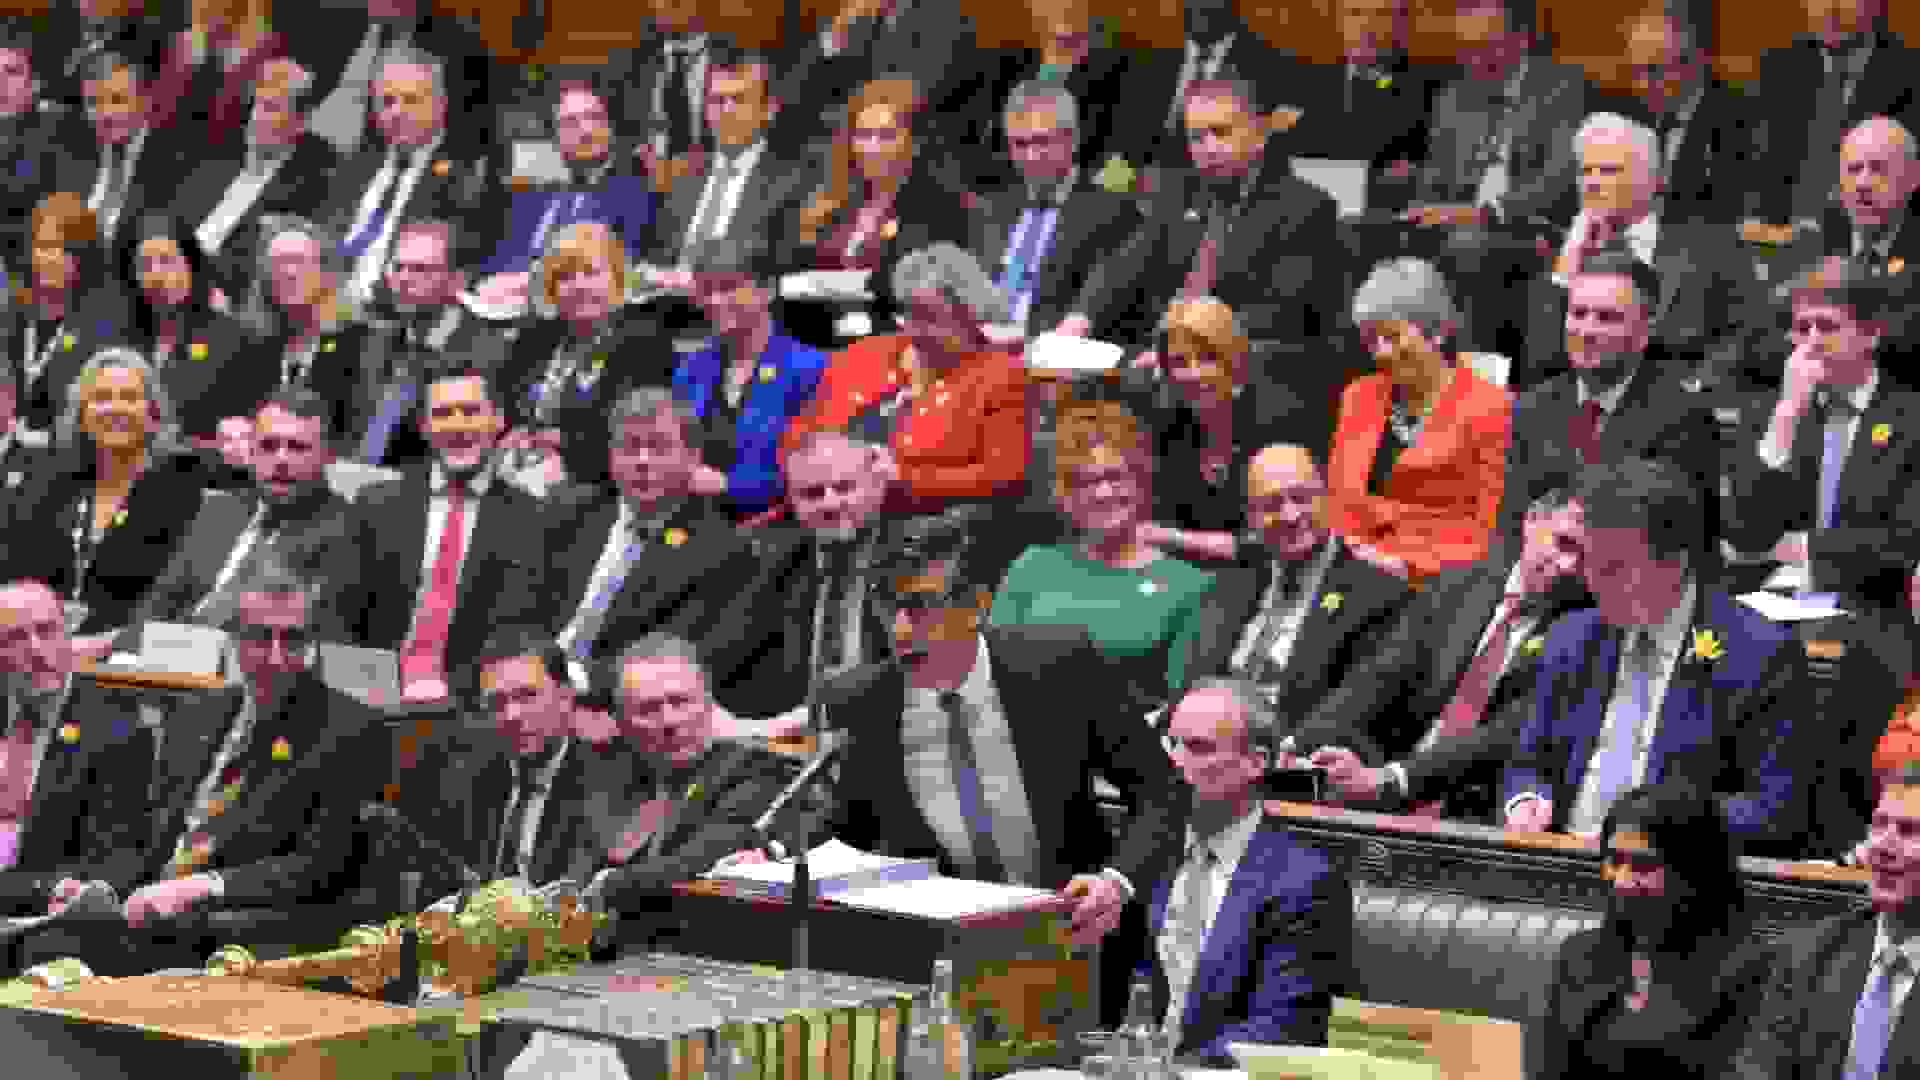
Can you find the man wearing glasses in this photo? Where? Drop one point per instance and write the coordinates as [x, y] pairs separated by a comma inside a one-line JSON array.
[[1252, 931]]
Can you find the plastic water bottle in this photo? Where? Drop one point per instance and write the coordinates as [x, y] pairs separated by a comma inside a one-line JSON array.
[[940, 1042], [1140, 1050]]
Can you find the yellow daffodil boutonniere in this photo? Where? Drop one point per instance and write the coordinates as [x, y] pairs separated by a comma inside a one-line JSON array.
[[693, 791], [674, 536], [69, 733], [1532, 646], [119, 518], [1707, 647], [282, 749], [767, 372], [1882, 434], [66, 342], [328, 345], [1384, 82], [1331, 602], [197, 350]]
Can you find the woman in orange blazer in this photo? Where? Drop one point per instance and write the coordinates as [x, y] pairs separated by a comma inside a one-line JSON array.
[[1419, 450], [953, 408]]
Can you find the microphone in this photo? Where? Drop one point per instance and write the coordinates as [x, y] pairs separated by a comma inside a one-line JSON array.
[[833, 743], [470, 878]]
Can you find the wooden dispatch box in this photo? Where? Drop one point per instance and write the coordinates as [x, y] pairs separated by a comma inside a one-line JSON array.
[[216, 1028]]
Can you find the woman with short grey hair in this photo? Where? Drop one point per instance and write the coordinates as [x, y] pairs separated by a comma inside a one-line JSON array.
[[1420, 449], [951, 405]]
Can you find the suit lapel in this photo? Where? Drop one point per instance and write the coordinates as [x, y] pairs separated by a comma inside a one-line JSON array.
[[1832, 1009], [1222, 957], [191, 737], [1601, 665], [1869, 464], [1042, 750], [1686, 717], [1476, 604], [1670, 259]]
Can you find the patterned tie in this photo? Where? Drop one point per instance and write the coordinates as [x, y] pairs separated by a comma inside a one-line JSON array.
[[374, 223], [1873, 1016], [1836, 414], [1583, 430], [841, 607], [1469, 702], [1612, 770], [424, 659], [1196, 907], [511, 862], [1031, 240], [1259, 663], [585, 631], [968, 787]]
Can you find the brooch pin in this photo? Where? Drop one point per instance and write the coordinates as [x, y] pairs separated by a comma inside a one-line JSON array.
[[674, 536], [282, 749], [1148, 588], [767, 372], [443, 167], [69, 733], [197, 350], [1707, 646], [1896, 264], [890, 230], [1331, 602], [1882, 434]]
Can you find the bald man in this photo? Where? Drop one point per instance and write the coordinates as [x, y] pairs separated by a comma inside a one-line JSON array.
[[1705, 126], [74, 761], [1872, 222], [1299, 609]]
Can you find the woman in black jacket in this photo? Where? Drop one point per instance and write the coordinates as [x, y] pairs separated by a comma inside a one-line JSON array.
[[1667, 985]]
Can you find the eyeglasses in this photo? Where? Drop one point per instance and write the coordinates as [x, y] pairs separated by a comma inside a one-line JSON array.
[[1193, 747], [290, 638], [921, 601]]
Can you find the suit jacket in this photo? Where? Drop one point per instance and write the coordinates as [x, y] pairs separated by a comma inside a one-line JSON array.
[[676, 588], [968, 443], [1440, 502], [1873, 545], [456, 790], [1153, 78], [1656, 418], [1057, 759], [380, 571], [323, 42], [377, 353], [301, 185], [1345, 620], [1380, 121], [773, 192], [156, 173], [208, 373], [1709, 176], [1271, 269], [28, 162], [291, 834], [20, 466], [1805, 1023], [1702, 1006], [924, 40], [96, 318], [455, 182], [727, 789], [633, 358], [1790, 80], [1543, 170], [333, 371], [1279, 949], [89, 792], [1712, 309], [1092, 225], [314, 524], [623, 199], [747, 448], [1835, 237], [1724, 724], [131, 554], [1096, 83], [923, 214]]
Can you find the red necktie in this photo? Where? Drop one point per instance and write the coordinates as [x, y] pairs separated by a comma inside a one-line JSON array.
[[1462, 714], [423, 660], [1583, 431], [1205, 262]]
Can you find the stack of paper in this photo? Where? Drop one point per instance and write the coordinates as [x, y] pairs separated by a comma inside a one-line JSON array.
[[945, 898], [1796, 607], [833, 867]]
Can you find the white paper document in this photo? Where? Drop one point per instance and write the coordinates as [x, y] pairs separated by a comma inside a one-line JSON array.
[[539, 160], [1061, 352], [833, 867], [181, 648], [349, 478], [828, 285], [943, 898], [1794, 607], [370, 676], [1345, 181]]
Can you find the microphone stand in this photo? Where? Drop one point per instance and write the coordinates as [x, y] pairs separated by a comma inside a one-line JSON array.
[[471, 879]]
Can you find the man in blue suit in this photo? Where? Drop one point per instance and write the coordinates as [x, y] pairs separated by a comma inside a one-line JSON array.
[[1253, 930], [749, 381], [1667, 676]]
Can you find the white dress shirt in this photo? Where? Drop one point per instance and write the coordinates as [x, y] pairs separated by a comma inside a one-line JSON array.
[[1178, 937], [1642, 238], [1778, 458], [239, 734], [1304, 601], [1498, 179], [438, 507], [1670, 640], [929, 765], [242, 192], [729, 196], [296, 361], [243, 544], [110, 189], [411, 163]]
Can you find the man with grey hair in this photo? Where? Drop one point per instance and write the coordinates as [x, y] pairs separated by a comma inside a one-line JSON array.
[[1705, 126], [648, 556], [1710, 308], [346, 48], [1872, 222], [1044, 234]]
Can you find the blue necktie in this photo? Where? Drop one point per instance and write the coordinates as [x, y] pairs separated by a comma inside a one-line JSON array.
[[966, 784], [1030, 242], [373, 449], [1613, 770], [1873, 1017], [594, 615], [1833, 456]]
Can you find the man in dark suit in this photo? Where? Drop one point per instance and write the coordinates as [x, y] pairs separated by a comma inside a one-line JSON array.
[[685, 800], [1666, 677], [1218, 43], [1438, 708], [1253, 930], [647, 557], [65, 788], [1833, 484], [113, 167], [446, 551], [290, 514], [1812, 91], [1711, 306], [80, 30], [345, 54], [1623, 398], [1838, 1005], [29, 139], [421, 166], [1047, 232], [1706, 127], [1299, 610], [255, 790], [1242, 230], [286, 169]]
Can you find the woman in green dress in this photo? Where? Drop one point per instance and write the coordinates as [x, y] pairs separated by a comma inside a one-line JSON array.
[[1138, 604]]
